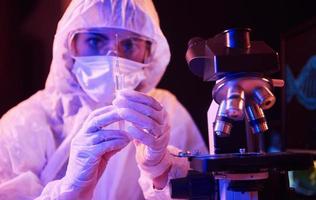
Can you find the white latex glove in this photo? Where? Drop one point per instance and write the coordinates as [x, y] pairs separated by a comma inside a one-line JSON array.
[[90, 150], [150, 129]]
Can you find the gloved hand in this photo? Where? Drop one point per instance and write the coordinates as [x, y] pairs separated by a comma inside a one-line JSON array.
[[90, 150], [149, 128]]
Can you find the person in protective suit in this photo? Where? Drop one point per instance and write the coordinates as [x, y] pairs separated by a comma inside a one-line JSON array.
[[99, 129]]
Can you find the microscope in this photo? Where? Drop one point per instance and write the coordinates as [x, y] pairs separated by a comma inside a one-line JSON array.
[[241, 168]]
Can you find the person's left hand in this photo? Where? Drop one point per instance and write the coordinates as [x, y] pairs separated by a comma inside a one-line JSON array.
[[150, 129]]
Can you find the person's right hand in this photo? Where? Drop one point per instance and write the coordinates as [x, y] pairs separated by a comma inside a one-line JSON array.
[[91, 148]]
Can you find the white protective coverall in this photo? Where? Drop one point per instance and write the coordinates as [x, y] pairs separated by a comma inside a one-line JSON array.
[[35, 135]]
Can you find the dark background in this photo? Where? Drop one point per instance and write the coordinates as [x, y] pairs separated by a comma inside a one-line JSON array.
[[27, 29]]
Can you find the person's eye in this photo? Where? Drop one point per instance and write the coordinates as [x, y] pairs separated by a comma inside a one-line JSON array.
[[96, 42], [128, 46]]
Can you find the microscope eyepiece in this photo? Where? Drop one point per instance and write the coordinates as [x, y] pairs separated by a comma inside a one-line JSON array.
[[238, 38]]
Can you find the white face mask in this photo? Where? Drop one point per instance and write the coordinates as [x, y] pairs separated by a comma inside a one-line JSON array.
[[95, 75]]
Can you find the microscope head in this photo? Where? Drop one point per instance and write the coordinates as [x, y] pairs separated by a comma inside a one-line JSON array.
[[230, 52]]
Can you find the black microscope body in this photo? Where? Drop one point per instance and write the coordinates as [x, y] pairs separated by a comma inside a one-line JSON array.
[[238, 166]]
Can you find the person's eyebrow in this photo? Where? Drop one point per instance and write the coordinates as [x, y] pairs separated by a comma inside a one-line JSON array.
[[98, 35]]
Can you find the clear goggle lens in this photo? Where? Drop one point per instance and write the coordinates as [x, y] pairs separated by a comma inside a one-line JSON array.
[[110, 41]]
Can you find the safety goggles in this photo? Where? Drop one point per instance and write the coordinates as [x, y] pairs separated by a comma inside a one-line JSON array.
[[110, 41]]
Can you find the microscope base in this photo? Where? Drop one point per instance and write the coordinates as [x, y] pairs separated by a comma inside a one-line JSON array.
[[247, 176]]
